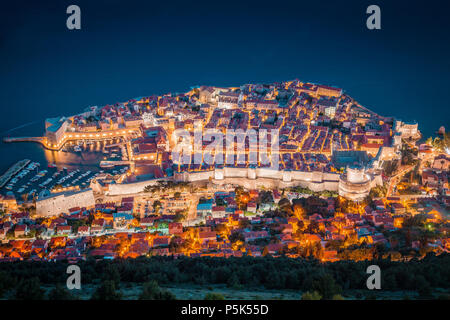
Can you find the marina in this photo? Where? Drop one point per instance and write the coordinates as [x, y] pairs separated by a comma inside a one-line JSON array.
[[71, 168], [12, 171], [29, 181]]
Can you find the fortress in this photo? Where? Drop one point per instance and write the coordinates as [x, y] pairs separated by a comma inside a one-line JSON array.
[[407, 130], [354, 184], [49, 204]]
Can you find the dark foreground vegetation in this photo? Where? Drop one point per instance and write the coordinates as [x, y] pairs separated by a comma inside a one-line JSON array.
[[428, 277]]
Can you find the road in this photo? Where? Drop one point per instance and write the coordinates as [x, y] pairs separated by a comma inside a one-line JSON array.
[[394, 179]]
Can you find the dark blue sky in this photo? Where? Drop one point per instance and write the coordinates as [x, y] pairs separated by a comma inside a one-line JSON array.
[[132, 48]]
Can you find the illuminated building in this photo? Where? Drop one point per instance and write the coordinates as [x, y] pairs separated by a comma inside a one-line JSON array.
[[354, 184]]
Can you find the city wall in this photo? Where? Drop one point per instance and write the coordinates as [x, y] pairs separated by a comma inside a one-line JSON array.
[[247, 177], [130, 188], [252, 178], [62, 202]]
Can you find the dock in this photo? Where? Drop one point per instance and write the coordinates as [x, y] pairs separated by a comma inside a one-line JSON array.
[[24, 139], [109, 164], [13, 171]]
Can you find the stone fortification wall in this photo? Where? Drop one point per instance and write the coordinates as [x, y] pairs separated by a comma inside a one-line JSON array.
[[61, 203]]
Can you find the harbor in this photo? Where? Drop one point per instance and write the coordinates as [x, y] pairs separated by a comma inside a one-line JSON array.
[[71, 168], [28, 179], [12, 171]]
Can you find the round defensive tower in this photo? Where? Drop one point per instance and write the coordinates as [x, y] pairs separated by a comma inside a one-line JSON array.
[[354, 183]]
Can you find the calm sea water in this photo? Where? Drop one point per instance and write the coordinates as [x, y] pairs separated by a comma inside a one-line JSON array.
[[135, 48], [33, 151]]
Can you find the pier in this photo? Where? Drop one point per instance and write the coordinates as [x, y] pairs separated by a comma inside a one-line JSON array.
[[13, 171], [112, 135], [25, 139], [108, 164]]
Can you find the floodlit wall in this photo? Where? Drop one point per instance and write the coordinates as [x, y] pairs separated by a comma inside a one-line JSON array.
[[251, 178], [130, 188], [62, 202]]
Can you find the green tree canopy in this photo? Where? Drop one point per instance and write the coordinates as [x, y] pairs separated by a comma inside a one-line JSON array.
[[30, 289], [107, 291]]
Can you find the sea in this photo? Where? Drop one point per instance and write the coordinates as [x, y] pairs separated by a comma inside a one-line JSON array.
[[127, 49]]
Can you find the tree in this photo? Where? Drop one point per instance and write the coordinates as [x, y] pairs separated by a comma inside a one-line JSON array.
[[300, 225], [152, 291], [233, 281], [371, 296], [180, 216], [236, 236], [441, 144], [285, 205], [242, 197], [265, 197], [156, 205], [390, 167], [314, 204], [60, 293], [317, 251], [5, 283], [423, 287], [313, 227], [326, 286], [30, 289], [107, 291], [311, 295], [112, 273], [377, 192], [76, 223], [149, 188], [299, 211], [214, 296], [220, 202]]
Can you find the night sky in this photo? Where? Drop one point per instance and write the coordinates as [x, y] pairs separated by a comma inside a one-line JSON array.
[[127, 49]]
